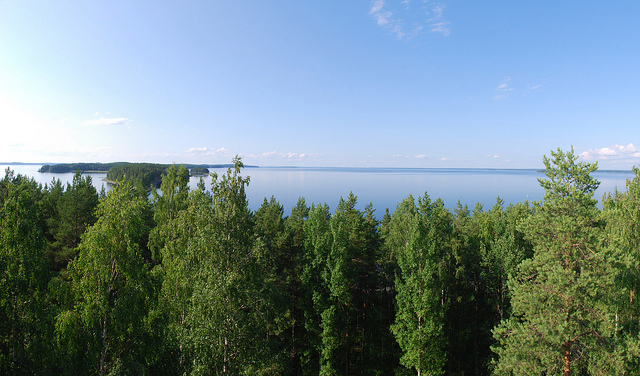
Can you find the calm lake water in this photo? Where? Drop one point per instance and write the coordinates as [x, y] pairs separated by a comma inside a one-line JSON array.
[[383, 187]]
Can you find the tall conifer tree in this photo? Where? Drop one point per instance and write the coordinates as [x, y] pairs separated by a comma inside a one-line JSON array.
[[622, 211], [563, 319], [420, 235]]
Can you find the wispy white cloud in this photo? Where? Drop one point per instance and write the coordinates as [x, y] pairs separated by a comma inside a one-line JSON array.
[[206, 151], [289, 155], [269, 154], [503, 90], [385, 18], [440, 27], [534, 87], [506, 88], [405, 21], [106, 122], [437, 22], [381, 17], [407, 156], [622, 153]]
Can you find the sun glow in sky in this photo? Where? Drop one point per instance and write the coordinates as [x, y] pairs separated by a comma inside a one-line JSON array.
[[406, 83]]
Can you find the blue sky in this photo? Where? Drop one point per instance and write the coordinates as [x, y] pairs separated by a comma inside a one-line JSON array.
[[324, 83]]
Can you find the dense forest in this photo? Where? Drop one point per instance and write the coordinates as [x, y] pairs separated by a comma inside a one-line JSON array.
[[190, 281], [141, 175], [104, 167]]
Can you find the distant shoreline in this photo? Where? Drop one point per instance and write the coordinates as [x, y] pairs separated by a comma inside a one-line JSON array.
[[346, 169]]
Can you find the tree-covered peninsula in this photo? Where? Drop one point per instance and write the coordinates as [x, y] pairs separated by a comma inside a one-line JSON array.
[[145, 175], [191, 281]]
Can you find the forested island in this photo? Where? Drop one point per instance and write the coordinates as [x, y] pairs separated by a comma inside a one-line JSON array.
[[190, 281], [105, 167], [145, 175]]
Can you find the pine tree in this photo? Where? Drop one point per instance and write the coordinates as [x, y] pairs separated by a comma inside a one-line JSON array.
[[622, 211], [75, 213], [563, 316]]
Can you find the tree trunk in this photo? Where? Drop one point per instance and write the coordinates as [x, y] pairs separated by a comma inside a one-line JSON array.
[[567, 361], [105, 348]]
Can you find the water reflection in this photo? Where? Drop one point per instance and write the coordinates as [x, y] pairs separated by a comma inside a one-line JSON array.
[[383, 187]]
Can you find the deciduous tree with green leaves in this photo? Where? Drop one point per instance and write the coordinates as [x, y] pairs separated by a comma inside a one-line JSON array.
[[23, 277], [104, 330], [420, 235], [166, 206], [223, 324]]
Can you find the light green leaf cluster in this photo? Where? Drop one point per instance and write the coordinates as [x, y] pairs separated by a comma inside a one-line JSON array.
[[110, 285], [22, 275]]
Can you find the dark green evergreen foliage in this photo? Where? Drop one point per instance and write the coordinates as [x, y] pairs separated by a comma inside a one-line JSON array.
[[502, 248], [488, 248], [563, 298], [199, 171], [105, 167], [349, 334], [73, 167], [345, 293], [143, 175], [622, 213], [317, 243], [74, 213], [294, 245], [23, 278], [281, 284]]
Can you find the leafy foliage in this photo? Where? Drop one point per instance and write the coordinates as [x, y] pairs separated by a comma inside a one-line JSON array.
[[193, 282], [112, 290], [23, 277]]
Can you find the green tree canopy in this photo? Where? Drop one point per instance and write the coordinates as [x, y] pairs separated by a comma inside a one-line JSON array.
[[112, 290], [563, 319]]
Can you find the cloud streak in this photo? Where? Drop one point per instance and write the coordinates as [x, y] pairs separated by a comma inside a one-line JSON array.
[[405, 21], [417, 156], [208, 152], [503, 91], [289, 155], [622, 153], [106, 122], [437, 22]]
